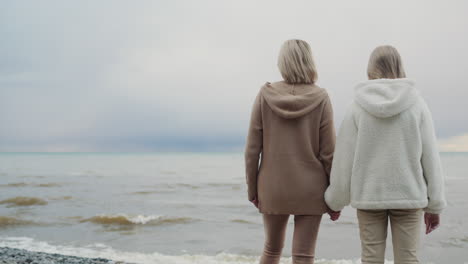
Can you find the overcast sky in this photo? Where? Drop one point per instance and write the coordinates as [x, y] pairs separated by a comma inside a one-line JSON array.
[[182, 75]]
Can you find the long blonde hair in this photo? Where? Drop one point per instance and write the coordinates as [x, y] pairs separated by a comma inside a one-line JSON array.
[[385, 62], [295, 62]]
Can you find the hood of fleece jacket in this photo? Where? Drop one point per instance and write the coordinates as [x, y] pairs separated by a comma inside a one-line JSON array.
[[292, 101], [386, 97]]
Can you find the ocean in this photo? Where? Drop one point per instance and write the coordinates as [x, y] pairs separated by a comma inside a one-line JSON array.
[[177, 208]]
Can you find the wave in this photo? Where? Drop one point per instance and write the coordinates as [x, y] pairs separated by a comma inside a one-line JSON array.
[[52, 184], [180, 185], [72, 217], [187, 185], [173, 186], [6, 221], [153, 192], [14, 184], [459, 242], [23, 201], [123, 219], [145, 192], [64, 198], [24, 184], [234, 186], [99, 250], [242, 221]]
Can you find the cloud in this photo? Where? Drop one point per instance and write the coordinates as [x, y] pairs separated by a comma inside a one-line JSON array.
[[455, 144], [150, 75]]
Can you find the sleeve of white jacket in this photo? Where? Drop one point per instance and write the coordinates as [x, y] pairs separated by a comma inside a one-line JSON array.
[[431, 165], [338, 194]]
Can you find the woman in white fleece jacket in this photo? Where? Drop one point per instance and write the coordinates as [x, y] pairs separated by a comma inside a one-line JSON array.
[[386, 162]]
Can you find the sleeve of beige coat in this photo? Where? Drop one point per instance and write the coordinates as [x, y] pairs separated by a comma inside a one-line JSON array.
[[253, 148], [338, 193], [327, 137], [430, 162]]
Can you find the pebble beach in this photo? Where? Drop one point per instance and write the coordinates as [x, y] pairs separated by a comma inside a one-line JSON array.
[[21, 256]]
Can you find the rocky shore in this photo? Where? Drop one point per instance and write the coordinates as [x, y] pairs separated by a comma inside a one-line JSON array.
[[21, 256]]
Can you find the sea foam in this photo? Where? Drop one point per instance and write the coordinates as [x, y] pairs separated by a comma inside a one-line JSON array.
[[99, 250], [124, 219], [6, 221], [23, 201]]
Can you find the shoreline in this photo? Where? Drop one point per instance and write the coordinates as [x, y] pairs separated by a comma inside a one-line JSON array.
[[21, 256]]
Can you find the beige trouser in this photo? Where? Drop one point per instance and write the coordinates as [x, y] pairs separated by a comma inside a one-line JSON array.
[[406, 226], [306, 229]]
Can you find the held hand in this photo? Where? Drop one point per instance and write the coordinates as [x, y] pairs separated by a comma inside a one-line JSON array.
[[333, 214], [432, 222], [254, 201]]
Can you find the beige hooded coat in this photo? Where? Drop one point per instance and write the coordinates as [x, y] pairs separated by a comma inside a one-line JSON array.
[[292, 134]]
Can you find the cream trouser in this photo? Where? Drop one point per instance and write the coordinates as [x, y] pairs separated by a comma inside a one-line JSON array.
[[405, 225], [306, 228]]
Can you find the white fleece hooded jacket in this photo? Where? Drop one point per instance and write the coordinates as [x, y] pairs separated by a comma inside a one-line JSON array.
[[386, 154]]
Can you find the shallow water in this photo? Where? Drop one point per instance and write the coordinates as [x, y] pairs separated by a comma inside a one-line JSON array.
[[175, 208]]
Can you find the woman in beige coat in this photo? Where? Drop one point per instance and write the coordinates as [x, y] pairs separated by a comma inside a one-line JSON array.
[[289, 153]]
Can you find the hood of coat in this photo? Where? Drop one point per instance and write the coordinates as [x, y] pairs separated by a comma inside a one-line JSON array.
[[386, 97], [292, 100]]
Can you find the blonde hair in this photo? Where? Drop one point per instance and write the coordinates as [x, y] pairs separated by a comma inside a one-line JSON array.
[[385, 62], [295, 62]]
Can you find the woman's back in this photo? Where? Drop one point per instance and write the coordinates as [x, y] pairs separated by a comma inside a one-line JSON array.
[[387, 163], [297, 144], [389, 150]]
